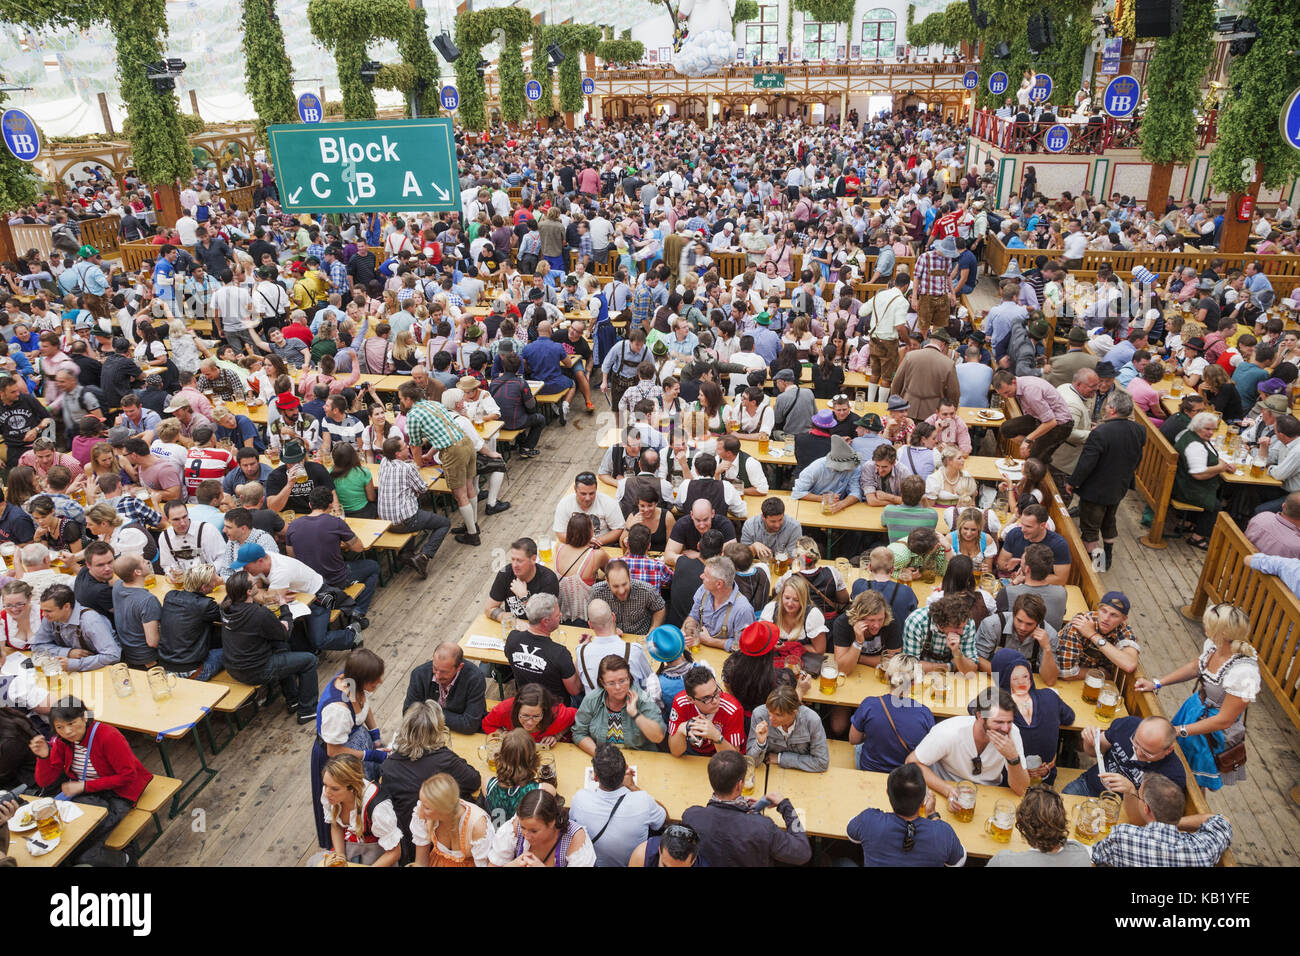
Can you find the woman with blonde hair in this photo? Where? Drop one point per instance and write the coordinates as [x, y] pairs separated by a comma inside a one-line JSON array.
[[969, 538], [422, 749], [404, 354], [826, 585], [447, 829], [187, 348], [361, 819], [103, 461], [1211, 723], [950, 482], [795, 616]]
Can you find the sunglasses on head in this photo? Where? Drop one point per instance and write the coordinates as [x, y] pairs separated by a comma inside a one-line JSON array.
[[585, 478]]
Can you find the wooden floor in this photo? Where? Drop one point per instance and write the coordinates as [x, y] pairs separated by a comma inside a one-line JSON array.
[[255, 812]]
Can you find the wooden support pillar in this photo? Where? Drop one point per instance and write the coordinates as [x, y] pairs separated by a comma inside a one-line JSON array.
[[1236, 233], [169, 204], [103, 111], [1162, 175], [708, 109], [194, 103], [7, 251]]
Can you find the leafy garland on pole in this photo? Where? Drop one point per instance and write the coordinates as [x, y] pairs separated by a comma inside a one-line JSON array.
[[574, 39], [544, 108], [826, 11], [347, 27], [417, 54], [476, 29], [1178, 64], [268, 75], [746, 10], [19, 184], [1260, 83]]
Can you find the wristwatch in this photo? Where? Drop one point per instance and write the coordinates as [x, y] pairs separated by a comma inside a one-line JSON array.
[[1102, 642], [1182, 730], [1014, 762]]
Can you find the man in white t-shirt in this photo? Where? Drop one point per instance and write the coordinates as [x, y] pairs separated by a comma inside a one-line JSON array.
[[233, 305], [1075, 245], [747, 357], [617, 815], [284, 576], [605, 640], [885, 322], [606, 518], [976, 748]]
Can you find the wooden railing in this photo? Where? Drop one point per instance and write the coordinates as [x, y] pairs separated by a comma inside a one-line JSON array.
[[1089, 582], [241, 196], [1155, 478], [102, 233], [1274, 611], [135, 254], [32, 237], [1085, 138], [999, 257]]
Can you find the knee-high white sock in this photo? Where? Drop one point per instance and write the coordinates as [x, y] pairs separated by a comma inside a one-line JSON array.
[[495, 480], [884, 394], [469, 514], [872, 390]]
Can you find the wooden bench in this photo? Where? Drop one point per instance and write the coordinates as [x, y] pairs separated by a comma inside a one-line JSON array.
[[506, 440], [389, 544], [156, 794], [238, 696]]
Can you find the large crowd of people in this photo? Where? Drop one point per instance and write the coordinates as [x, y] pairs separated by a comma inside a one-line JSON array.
[[128, 403]]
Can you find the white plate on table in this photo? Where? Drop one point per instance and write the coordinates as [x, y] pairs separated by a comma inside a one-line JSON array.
[[22, 821], [1010, 471], [989, 415]]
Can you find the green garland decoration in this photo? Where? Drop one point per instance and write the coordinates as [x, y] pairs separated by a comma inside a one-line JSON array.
[[574, 39], [268, 74], [789, 26], [475, 30], [950, 26], [1259, 84], [746, 10], [1178, 64], [544, 108], [347, 27], [19, 184], [620, 51], [417, 54], [826, 11], [626, 34]]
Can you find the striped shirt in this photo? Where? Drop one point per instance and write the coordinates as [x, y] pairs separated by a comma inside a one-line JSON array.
[[82, 768]]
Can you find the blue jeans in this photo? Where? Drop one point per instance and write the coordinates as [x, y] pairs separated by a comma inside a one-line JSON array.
[[1079, 787], [367, 572], [296, 672], [321, 637], [422, 520], [211, 665]]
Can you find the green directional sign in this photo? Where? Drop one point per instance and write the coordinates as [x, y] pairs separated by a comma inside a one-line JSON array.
[[769, 81], [399, 165]]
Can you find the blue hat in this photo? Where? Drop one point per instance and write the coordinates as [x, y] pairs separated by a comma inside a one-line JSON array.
[[1118, 600], [1004, 662], [665, 643], [248, 553]]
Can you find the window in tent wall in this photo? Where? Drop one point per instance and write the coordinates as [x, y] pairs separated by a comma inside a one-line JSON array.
[[819, 40], [879, 34], [762, 35]]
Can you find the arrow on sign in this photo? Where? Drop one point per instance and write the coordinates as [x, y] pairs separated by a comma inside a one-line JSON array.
[[293, 196], [443, 195]]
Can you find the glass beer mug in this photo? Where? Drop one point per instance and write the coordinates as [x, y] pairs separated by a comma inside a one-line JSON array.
[[547, 551], [489, 753], [964, 800], [764, 443], [1107, 701], [49, 824], [1092, 685], [120, 675], [831, 678], [546, 767], [52, 670], [1113, 804], [1089, 821], [161, 684], [751, 776], [1003, 821]]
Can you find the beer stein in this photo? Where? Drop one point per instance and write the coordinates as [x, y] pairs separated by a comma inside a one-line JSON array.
[[161, 684], [489, 752], [7, 552], [1113, 804], [1257, 467], [764, 443], [1092, 685], [751, 775], [1107, 701], [546, 767], [546, 552], [964, 799], [176, 576], [782, 562], [1032, 763], [1003, 822], [150, 579], [120, 675], [831, 678], [828, 499], [49, 824], [1089, 821], [52, 671], [508, 623]]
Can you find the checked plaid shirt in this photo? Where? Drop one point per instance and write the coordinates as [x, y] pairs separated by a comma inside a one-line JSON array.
[[1163, 844], [928, 643], [429, 422], [932, 276]]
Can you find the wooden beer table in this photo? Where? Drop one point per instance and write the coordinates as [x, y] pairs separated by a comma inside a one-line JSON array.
[[676, 782], [826, 802], [74, 833]]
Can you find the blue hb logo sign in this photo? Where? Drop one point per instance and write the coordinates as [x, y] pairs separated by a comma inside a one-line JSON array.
[[1121, 96], [450, 97], [588, 86], [533, 90], [1057, 138], [20, 135], [970, 79], [309, 109], [1042, 88], [998, 83]]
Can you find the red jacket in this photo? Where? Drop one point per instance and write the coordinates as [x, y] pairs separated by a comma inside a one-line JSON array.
[[110, 755], [498, 718]]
